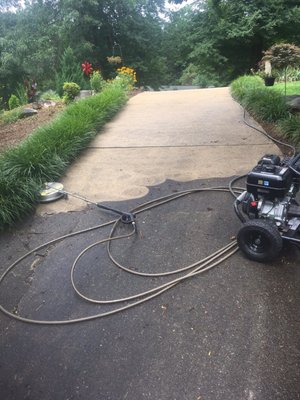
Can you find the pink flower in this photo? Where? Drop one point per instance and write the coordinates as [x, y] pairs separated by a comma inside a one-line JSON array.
[[87, 68]]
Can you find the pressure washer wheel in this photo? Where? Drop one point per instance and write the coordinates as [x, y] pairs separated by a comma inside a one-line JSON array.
[[260, 240]]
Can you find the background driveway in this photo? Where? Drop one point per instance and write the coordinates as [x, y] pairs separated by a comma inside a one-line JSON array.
[[180, 135]]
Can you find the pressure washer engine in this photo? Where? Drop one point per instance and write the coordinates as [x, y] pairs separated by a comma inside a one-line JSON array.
[[268, 208]]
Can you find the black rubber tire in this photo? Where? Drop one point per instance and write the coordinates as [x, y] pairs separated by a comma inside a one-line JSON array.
[[260, 240]]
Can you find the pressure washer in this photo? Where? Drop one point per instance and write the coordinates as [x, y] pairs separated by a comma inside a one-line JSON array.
[[268, 207]]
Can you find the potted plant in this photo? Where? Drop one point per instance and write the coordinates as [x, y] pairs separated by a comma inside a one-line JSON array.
[[269, 80]]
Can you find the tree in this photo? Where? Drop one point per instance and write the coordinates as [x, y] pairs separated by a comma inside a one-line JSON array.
[[229, 36]]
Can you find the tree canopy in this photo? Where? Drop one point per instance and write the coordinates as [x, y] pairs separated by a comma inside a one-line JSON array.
[[212, 40]]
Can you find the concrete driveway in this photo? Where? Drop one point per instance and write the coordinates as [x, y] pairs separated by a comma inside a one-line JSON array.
[[231, 333], [180, 135]]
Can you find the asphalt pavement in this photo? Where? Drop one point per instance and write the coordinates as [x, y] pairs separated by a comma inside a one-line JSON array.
[[230, 333]]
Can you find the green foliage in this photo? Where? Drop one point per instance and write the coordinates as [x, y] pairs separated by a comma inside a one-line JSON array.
[[268, 104], [188, 75], [50, 95], [46, 153], [262, 102], [97, 82], [71, 90], [9, 117], [290, 128], [227, 38], [283, 55], [293, 88], [22, 94], [17, 198], [48, 40], [205, 80], [69, 71], [13, 102], [241, 86], [290, 73]]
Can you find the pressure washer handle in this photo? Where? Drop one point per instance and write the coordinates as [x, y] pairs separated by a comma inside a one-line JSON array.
[[294, 164]]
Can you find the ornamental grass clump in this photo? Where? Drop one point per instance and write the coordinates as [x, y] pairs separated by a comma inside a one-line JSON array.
[[290, 129], [241, 86], [262, 102], [47, 152], [266, 104]]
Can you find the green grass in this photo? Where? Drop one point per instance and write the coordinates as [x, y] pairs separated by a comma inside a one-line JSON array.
[[47, 152], [268, 104], [292, 88]]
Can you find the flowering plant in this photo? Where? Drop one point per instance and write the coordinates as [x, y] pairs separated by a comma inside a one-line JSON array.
[[128, 76], [87, 68]]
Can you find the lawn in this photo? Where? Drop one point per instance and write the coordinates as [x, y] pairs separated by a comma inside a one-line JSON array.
[[292, 88]]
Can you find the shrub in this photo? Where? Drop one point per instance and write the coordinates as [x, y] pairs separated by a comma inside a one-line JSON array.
[[96, 81], [22, 94], [13, 102], [71, 90], [69, 71], [206, 80], [50, 95], [9, 117]]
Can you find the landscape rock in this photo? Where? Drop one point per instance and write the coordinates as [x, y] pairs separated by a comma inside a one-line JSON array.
[[294, 102], [85, 93], [49, 103], [28, 112]]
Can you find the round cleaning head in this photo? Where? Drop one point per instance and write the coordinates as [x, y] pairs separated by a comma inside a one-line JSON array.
[[52, 191]]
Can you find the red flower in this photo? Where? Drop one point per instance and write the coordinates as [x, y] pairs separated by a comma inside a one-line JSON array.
[[87, 68]]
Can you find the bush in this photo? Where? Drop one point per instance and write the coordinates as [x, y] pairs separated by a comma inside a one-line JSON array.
[[71, 90], [47, 152], [9, 117], [97, 82], [13, 102], [206, 80], [69, 71], [241, 86], [22, 94], [50, 95]]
